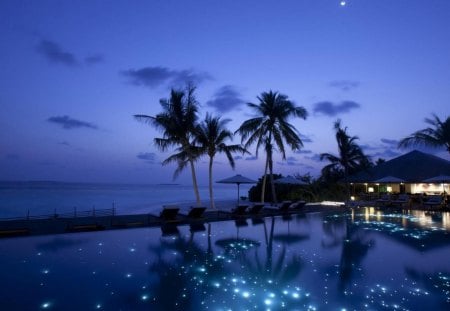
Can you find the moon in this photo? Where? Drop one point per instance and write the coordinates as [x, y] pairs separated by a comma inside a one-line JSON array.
[[343, 3]]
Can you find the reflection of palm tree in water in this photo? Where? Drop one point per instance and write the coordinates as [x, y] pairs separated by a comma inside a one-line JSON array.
[[355, 246], [276, 270], [436, 283], [179, 283], [173, 289]]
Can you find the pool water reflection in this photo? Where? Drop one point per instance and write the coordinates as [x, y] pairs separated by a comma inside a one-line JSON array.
[[363, 260]]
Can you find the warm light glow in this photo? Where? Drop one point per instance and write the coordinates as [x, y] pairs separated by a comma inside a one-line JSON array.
[[352, 198], [370, 189], [389, 189]]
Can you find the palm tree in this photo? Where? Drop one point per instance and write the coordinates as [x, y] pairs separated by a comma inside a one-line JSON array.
[[211, 136], [438, 135], [350, 158], [271, 128], [177, 122]]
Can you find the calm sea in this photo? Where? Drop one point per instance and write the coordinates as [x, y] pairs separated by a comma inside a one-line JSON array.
[[17, 198]]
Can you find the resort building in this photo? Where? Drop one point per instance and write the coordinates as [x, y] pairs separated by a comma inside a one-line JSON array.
[[414, 172]]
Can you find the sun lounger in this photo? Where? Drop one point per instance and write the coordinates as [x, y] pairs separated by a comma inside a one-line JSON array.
[[298, 205], [169, 213], [401, 200], [196, 212], [284, 206], [384, 200], [434, 201], [256, 208], [239, 210]]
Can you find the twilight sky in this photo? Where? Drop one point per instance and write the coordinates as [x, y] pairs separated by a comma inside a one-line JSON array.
[[72, 74]]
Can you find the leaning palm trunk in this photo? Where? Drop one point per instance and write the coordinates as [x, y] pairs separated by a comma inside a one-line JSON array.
[[272, 183], [194, 183], [211, 195], [263, 190]]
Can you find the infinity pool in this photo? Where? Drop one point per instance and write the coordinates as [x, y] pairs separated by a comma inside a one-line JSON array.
[[363, 260]]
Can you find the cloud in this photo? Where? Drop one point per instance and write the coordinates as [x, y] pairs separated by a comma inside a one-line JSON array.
[[387, 153], [292, 161], [68, 123], [153, 77], [64, 143], [391, 142], [368, 147], [315, 157], [331, 109], [55, 54], [225, 99], [148, 157], [344, 85], [251, 158], [303, 151], [94, 59]]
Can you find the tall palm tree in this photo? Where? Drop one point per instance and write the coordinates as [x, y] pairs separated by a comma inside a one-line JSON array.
[[438, 135], [350, 158], [211, 136], [177, 122], [270, 128]]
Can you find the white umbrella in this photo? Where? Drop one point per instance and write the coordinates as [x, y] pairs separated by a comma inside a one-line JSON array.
[[438, 179], [290, 180], [238, 180], [389, 180]]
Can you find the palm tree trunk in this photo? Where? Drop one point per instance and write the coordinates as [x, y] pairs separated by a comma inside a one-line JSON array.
[[272, 184], [347, 187], [211, 195], [263, 190], [194, 182]]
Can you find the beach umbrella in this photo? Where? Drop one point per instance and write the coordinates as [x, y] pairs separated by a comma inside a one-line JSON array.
[[389, 180], [290, 180], [438, 179], [238, 180]]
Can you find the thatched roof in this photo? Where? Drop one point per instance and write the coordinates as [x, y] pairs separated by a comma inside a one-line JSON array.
[[413, 167]]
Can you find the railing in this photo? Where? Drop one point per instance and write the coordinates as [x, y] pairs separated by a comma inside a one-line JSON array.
[[75, 214]]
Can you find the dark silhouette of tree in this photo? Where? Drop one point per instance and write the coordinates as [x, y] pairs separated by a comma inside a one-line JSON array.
[[211, 137], [270, 128], [351, 158], [177, 122], [435, 136]]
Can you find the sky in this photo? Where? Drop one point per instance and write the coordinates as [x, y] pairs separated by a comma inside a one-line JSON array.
[[73, 74]]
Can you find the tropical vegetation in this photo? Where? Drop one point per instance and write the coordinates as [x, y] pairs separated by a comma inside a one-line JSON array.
[[436, 135], [211, 136], [350, 158], [270, 128], [178, 122]]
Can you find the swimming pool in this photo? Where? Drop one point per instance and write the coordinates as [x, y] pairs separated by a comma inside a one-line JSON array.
[[363, 260]]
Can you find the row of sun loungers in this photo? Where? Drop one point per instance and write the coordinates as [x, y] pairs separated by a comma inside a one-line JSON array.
[[403, 200]]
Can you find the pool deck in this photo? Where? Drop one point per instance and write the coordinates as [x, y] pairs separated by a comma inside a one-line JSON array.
[[58, 225]]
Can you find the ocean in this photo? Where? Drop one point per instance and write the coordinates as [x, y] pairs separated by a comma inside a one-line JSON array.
[[17, 199]]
